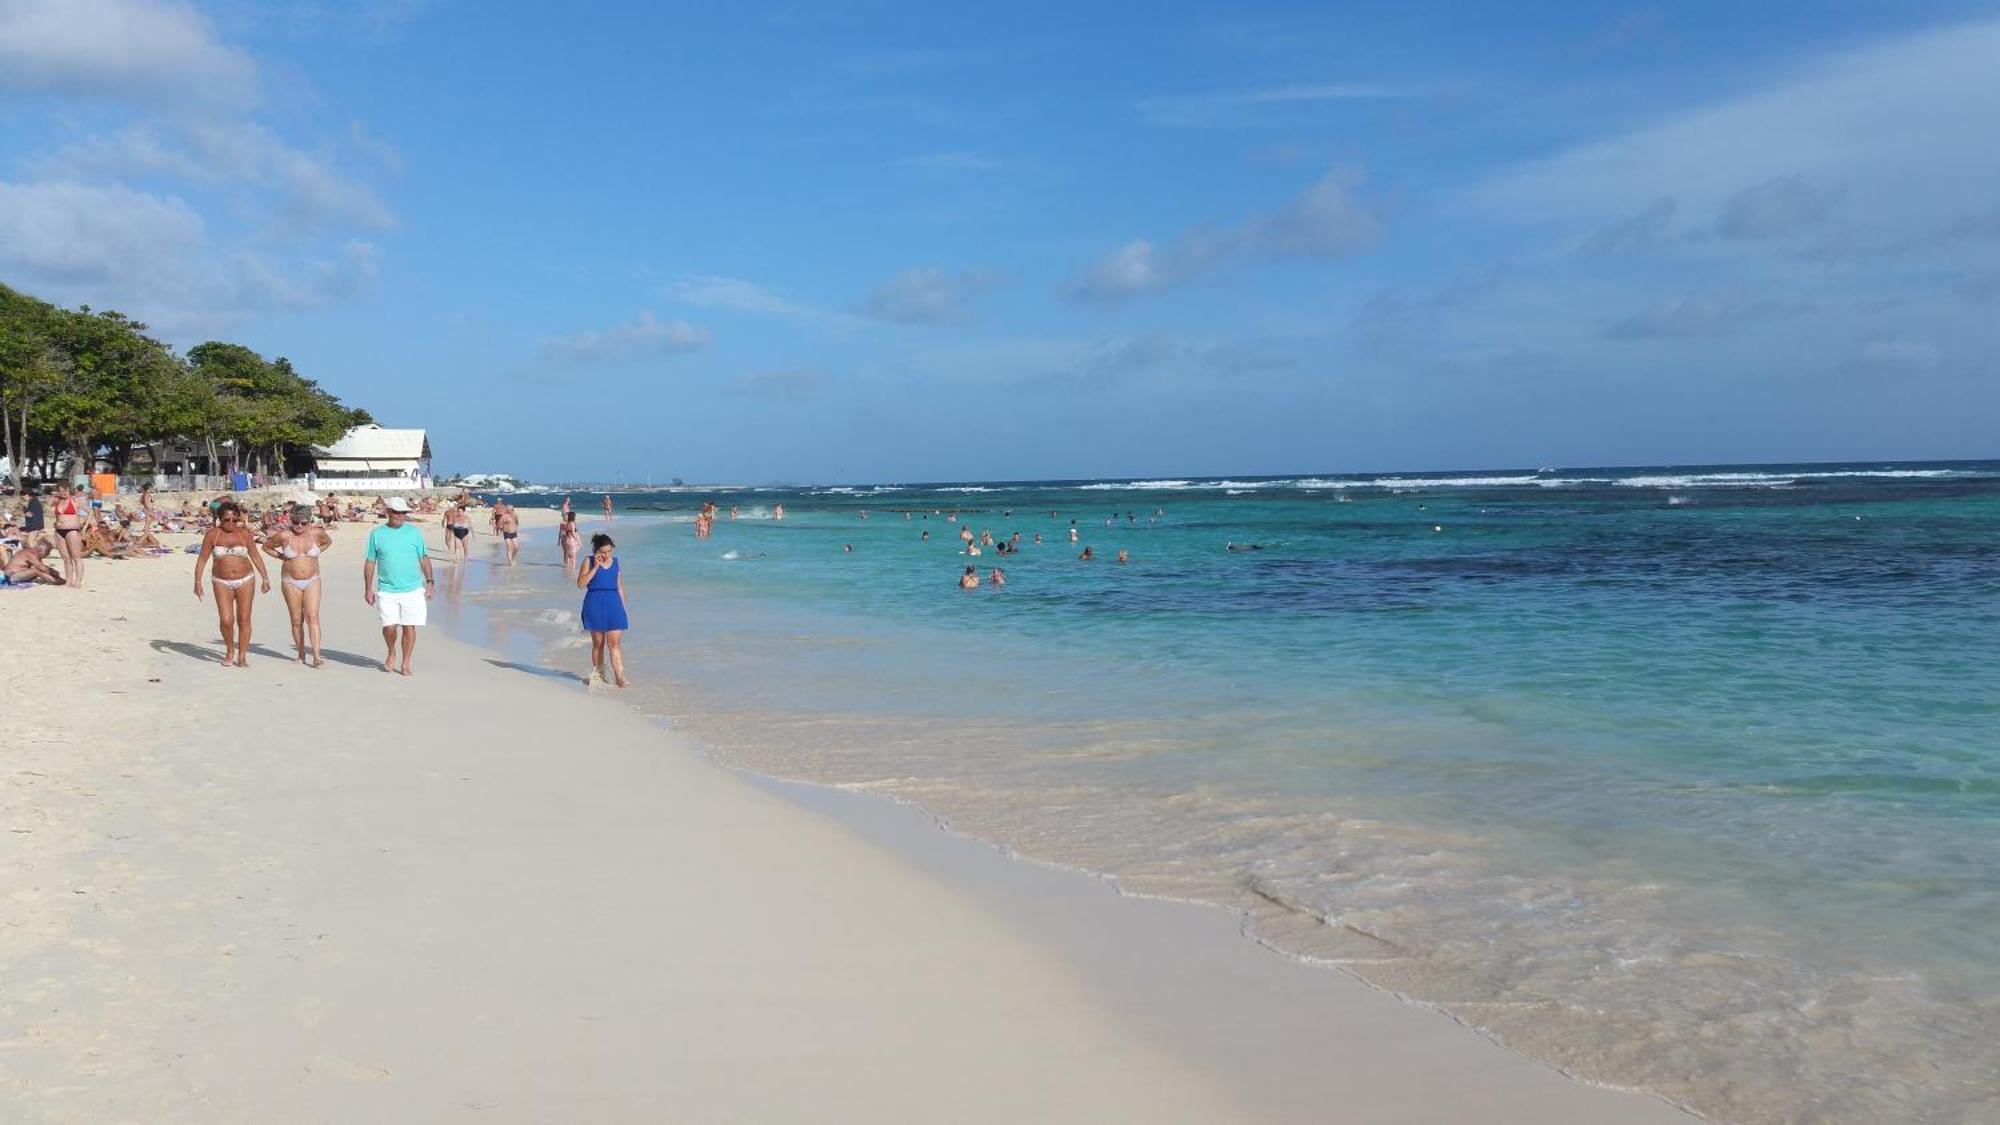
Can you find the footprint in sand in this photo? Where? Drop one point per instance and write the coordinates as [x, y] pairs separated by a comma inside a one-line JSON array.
[[349, 1069]]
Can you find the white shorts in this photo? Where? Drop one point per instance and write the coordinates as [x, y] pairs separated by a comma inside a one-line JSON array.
[[407, 608]]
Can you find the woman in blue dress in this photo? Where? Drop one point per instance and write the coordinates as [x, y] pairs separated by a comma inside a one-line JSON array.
[[603, 607]]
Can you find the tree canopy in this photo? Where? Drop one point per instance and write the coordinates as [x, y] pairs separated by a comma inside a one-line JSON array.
[[87, 386]]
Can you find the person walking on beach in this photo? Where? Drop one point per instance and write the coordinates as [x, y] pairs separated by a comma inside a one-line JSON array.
[[570, 540], [398, 557], [300, 549], [510, 533], [607, 507], [603, 585], [457, 525], [234, 550]]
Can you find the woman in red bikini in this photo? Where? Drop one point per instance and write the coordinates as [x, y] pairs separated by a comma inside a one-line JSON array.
[[69, 533], [230, 543]]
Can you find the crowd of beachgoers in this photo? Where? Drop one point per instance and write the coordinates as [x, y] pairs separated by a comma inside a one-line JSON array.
[[49, 535]]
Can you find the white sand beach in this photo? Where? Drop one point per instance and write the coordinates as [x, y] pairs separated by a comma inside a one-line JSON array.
[[484, 894]]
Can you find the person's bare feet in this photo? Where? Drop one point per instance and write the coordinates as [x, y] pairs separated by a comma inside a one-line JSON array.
[[243, 661], [406, 669], [621, 681]]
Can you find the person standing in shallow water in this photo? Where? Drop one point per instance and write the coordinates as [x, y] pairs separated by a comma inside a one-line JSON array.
[[510, 534], [603, 583], [570, 539]]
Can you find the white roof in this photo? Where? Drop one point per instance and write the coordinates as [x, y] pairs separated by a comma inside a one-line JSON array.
[[373, 443]]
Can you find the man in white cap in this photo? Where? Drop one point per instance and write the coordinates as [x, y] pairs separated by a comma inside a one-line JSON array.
[[396, 579]]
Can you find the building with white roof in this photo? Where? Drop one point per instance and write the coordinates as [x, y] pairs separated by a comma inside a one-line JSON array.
[[372, 459]]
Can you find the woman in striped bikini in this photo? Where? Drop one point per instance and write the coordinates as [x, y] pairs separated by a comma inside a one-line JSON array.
[[299, 549]]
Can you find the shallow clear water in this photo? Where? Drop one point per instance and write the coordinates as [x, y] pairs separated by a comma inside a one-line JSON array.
[[1685, 779]]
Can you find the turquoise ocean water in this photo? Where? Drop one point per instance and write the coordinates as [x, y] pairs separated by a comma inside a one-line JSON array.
[[1686, 779]]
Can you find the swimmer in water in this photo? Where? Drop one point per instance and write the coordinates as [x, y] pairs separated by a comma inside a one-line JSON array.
[[1087, 556], [996, 578], [969, 580], [1123, 557]]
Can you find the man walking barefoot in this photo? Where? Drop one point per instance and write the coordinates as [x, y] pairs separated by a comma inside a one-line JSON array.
[[510, 533], [398, 557]]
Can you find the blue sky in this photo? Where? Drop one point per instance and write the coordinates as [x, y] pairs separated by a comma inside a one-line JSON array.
[[900, 242]]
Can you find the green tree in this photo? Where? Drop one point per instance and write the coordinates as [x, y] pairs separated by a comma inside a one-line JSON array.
[[30, 368], [107, 361]]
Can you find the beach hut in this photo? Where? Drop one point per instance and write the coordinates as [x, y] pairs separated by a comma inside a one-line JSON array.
[[372, 459]]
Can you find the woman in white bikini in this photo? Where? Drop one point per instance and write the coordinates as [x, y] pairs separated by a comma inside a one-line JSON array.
[[235, 553], [299, 549]]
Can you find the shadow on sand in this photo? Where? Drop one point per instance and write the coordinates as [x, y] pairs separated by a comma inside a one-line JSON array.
[[331, 656], [549, 673], [202, 653], [207, 655]]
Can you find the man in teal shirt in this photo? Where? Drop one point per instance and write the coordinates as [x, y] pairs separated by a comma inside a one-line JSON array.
[[396, 580]]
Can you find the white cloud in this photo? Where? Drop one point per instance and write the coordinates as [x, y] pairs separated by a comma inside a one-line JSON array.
[[78, 234], [129, 50], [1650, 229], [184, 211], [927, 296], [1326, 221], [643, 337], [1782, 206], [1131, 269], [1902, 130], [734, 294], [315, 284], [309, 194], [1715, 313], [150, 255], [1901, 354]]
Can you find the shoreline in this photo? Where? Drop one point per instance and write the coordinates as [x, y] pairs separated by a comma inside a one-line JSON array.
[[322, 905], [1094, 904]]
